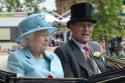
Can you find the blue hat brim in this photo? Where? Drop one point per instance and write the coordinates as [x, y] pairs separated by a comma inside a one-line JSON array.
[[49, 29]]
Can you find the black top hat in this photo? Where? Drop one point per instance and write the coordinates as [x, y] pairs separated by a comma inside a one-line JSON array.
[[81, 12]]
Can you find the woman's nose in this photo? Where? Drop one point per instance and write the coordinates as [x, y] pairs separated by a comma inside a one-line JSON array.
[[46, 38]]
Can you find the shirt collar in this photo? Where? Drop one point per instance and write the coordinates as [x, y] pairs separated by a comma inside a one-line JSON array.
[[80, 45]]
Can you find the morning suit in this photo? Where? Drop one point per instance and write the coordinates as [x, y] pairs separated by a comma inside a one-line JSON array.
[[74, 62], [23, 62]]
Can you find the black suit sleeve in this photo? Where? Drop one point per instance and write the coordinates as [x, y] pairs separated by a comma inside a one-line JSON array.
[[66, 62]]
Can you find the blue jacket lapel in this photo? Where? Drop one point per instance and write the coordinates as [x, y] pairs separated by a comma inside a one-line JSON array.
[[55, 64], [29, 56]]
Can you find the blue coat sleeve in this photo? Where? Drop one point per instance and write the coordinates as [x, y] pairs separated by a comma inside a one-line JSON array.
[[55, 65], [14, 64]]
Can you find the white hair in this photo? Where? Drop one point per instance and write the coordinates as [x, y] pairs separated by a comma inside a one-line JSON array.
[[24, 41]]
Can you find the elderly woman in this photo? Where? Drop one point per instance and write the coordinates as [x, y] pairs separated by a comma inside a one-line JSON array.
[[32, 60]]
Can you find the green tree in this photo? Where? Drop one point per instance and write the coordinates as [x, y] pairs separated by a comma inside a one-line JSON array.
[[30, 6], [13, 5], [33, 5], [107, 13]]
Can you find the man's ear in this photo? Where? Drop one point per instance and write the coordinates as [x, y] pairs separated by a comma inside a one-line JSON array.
[[70, 26]]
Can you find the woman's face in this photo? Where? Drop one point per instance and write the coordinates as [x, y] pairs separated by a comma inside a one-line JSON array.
[[82, 31], [40, 40]]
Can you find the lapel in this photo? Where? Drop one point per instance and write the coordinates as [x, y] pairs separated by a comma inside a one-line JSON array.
[[79, 56], [93, 48], [93, 65], [28, 56]]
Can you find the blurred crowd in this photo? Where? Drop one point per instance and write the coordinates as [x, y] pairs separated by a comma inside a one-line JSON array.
[[56, 40], [117, 47]]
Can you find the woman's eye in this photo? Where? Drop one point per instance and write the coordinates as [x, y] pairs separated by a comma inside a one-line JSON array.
[[45, 35], [42, 35]]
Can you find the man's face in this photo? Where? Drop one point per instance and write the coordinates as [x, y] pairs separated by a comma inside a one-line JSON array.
[[82, 31]]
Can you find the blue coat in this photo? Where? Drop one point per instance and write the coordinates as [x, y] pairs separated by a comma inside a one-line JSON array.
[[23, 62]]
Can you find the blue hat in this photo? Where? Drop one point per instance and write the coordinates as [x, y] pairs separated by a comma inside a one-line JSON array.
[[33, 23]]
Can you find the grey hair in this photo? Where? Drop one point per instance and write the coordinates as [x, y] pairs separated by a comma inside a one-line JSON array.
[[24, 41]]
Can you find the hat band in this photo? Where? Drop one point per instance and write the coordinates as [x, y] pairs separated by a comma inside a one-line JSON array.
[[40, 24]]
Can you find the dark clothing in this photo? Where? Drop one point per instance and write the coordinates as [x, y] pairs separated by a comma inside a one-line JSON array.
[[73, 60]]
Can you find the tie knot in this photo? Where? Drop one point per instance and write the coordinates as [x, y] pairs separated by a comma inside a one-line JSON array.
[[87, 50], [86, 47]]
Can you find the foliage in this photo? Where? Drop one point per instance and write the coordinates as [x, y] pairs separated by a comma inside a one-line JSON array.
[[107, 15], [12, 5], [29, 6]]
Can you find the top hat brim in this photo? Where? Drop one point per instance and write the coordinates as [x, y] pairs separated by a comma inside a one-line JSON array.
[[77, 20]]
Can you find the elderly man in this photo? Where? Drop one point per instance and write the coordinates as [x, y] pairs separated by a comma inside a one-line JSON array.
[[76, 55]]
